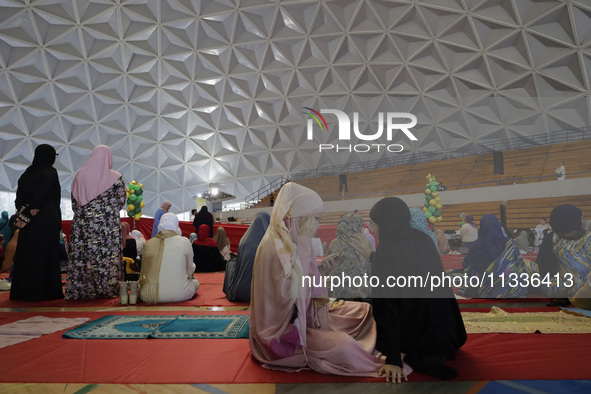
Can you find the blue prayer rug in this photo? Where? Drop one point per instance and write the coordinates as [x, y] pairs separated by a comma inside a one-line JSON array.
[[164, 327]]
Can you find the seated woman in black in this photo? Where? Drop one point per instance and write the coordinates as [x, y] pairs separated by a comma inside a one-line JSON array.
[[131, 268], [129, 244], [424, 325], [206, 255]]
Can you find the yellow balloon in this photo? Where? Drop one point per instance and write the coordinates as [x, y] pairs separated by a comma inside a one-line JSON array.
[[428, 191], [127, 195], [137, 216], [133, 182], [141, 185], [438, 206], [434, 194], [127, 189], [142, 204], [440, 218], [425, 209], [132, 191], [432, 202], [130, 207], [432, 219], [438, 198]]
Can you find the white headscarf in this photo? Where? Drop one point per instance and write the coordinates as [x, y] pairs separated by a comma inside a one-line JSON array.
[[139, 241], [169, 221]]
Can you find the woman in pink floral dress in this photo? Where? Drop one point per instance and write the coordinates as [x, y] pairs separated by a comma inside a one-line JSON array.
[[98, 194]]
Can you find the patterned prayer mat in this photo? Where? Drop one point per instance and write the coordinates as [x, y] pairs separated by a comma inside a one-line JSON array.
[[499, 321], [163, 327]]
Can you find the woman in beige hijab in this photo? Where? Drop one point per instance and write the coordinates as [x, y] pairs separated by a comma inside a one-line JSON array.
[[167, 265], [292, 324]]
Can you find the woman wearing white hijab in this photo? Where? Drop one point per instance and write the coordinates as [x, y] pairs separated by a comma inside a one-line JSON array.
[[167, 265], [291, 327], [139, 240]]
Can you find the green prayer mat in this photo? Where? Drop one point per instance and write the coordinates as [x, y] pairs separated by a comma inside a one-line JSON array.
[[163, 327]]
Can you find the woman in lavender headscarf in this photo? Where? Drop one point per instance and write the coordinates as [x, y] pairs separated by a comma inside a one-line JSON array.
[[291, 325]]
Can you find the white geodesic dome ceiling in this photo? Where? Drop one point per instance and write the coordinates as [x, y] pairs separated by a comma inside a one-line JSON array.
[[189, 93]]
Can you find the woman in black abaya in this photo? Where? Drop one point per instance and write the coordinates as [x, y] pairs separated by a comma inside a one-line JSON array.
[[424, 325], [36, 273], [203, 217]]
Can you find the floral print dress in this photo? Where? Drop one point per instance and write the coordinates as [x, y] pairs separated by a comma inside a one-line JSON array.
[[350, 262], [95, 257]]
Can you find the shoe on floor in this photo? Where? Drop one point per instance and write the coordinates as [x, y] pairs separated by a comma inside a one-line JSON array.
[[5, 285]]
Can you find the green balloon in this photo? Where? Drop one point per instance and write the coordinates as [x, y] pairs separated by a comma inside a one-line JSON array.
[[427, 205], [428, 214], [433, 188], [129, 201], [428, 197], [432, 209], [130, 213], [133, 197], [139, 192], [137, 187], [437, 213], [462, 223], [137, 210], [433, 183]]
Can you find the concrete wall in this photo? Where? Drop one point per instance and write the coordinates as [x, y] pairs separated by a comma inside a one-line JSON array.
[[568, 187]]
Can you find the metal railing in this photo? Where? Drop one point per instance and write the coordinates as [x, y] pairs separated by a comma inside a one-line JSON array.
[[556, 137], [265, 191], [499, 182]]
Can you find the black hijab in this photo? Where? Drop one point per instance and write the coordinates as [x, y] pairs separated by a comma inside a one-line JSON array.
[[44, 157], [39, 183], [564, 219], [404, 251]]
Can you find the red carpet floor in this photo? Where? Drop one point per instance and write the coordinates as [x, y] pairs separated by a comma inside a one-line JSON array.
[[210, 294], [53, 359]]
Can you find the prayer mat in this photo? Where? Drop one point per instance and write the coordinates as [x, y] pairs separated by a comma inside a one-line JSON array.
[[163, 326], [499, 321], [579, 311], [34, 327]]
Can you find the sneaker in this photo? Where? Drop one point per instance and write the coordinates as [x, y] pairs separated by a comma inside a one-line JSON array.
[[5, 285], [133, 292], [123, 294]]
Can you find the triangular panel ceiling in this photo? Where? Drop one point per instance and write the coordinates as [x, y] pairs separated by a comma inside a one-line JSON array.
[[189, 93]]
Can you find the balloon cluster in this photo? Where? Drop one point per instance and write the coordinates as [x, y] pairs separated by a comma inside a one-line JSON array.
[[135, 199], [433, 205]]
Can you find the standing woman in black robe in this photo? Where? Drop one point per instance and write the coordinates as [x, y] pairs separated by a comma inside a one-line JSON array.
[[203, 217], [424, 325], [36, 274]]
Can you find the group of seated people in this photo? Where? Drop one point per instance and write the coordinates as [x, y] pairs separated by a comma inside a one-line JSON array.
[[166, 263], [294, 324], [297, 321], [561, 269]]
